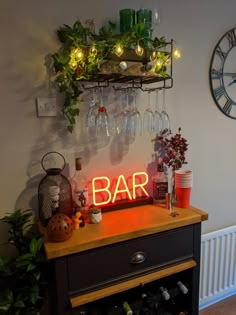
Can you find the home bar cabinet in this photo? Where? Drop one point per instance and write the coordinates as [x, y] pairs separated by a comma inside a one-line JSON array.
[[128, 248]]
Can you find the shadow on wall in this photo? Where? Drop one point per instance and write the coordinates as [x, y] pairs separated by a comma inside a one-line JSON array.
[[28, 199]]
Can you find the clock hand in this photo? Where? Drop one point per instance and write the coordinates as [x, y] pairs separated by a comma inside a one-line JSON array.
[[229, 73], [232, 82]]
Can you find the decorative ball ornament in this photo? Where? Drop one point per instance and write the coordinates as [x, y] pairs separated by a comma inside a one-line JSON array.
[[59, 228], [123, 65]]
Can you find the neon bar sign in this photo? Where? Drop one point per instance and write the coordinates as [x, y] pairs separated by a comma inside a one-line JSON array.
[[111, 194]]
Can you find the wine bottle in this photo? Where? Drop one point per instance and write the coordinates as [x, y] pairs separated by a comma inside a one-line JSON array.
[[182, 287], [164, 293], [127, 308], [79, 187]]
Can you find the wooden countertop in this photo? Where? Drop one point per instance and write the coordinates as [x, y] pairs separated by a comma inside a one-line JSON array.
[[122, 225]]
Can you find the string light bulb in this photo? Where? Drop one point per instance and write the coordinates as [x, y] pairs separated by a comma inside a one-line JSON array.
[[177, 53], [168, 62], [73, 64], [158, 66], [119, 50], [139, 50], [93, 51], [153, 56], [79, 55]]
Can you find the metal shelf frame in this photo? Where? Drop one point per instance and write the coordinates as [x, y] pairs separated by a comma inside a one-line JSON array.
[[121, 81]]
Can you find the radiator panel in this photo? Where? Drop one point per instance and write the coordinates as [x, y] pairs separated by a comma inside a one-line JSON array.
[[217, 269]]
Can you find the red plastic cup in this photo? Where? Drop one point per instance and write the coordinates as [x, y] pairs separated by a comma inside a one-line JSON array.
[[183, 197]]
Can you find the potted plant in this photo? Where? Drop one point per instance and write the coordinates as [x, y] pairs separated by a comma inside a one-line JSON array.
[[22, 280]]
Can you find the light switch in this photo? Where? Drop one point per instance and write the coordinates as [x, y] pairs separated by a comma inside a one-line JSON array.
[[46, 106]]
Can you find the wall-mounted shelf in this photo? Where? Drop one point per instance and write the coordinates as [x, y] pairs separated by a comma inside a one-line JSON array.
[[125, 79], [129, 81], [128, 60]]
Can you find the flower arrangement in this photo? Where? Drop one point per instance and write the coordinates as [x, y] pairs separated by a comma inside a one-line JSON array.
[[173, 148]]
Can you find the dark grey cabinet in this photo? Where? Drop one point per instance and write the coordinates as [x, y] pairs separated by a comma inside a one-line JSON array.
[[119, 263]]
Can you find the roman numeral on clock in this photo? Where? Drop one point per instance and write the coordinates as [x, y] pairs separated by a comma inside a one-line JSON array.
[[216, 74], [221, 53], [227, 107], [218, 92], [231, 38]]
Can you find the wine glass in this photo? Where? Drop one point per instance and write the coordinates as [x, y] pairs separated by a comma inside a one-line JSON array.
[[102, 122], [117, 119], [134, 123], [157, 117], [127, 110], [155, 17], [164, 115], [92, 112], [148, 118]]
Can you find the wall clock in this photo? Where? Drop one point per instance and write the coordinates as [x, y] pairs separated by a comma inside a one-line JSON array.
[[222, 74]]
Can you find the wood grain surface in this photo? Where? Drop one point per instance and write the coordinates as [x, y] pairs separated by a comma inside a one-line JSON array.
[[122, 225]]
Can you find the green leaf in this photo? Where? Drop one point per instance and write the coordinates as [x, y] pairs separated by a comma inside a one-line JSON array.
[[34, 296], [37, 275], [19, 304], [30, 267], [5, 307], [33, 246], [70, 128]]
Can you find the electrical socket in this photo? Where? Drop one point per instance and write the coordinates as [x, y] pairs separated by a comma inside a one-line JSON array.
[[46, 107]]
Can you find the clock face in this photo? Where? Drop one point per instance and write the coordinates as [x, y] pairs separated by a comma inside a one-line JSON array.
[[223, 74]]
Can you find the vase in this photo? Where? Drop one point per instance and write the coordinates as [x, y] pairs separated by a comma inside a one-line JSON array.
[[171, 184]]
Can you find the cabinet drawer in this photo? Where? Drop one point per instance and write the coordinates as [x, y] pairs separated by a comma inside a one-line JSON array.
[[109, 264]]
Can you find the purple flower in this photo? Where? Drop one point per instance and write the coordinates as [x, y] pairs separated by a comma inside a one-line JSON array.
[[174, 148]]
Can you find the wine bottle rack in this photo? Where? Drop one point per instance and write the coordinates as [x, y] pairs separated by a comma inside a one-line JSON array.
[[146, 299]]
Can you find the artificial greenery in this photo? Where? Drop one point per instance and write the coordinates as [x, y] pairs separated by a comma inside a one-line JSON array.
[[82, 51], [22, 280]]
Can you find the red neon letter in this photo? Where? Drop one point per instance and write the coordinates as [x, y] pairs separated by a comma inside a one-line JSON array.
[[106, 189], [140, 185], [121, 190]]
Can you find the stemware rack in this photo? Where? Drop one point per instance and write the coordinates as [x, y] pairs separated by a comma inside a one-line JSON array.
[[120, 81]]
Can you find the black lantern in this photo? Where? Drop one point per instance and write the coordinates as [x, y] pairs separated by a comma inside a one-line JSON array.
[[54, 192]]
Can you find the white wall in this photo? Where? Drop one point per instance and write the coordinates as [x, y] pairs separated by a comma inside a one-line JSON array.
[[27, 35]]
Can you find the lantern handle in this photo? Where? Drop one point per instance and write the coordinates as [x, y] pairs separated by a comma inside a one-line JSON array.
[[51, 153]]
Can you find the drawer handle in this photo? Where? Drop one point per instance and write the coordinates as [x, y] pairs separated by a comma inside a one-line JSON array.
[[138, 258]]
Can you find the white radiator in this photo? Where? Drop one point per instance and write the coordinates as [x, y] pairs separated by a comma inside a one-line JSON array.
[[218, 266]]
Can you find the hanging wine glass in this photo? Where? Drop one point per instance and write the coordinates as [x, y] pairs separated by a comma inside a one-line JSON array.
[[164, 115], [127, 110], [134, 124], [155, 17], [157, 117], [103, 128], [92, 112], [117, 119], [148, 118]]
